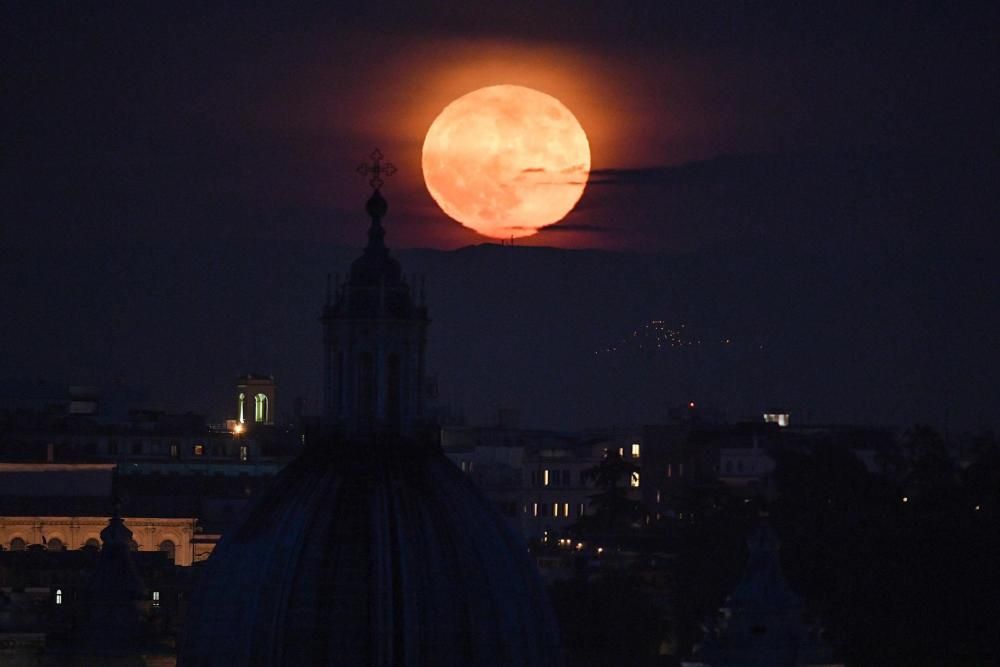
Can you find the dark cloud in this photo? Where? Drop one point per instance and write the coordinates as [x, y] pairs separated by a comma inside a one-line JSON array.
[[564, 227]]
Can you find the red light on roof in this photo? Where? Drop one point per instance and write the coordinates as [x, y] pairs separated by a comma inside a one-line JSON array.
[[691, 404]]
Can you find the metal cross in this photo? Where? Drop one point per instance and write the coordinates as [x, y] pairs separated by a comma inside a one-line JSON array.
[[376, 170]]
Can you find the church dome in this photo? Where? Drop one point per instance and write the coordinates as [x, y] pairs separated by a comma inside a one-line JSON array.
[[365, 554], [371, 548]]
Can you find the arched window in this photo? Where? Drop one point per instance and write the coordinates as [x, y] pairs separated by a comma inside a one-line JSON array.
[[366, 390], [392, 408], [92, 543], [169, 548], [59, 596], [243, 398], [55, 544], [338, 407], [260, 408], [17, 544]]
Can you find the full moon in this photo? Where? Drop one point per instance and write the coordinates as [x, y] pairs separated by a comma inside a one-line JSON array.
[[506, 160]]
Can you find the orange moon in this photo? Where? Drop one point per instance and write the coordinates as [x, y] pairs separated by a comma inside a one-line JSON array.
[[506, 160]]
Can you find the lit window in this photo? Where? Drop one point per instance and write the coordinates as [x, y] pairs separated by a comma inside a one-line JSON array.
[[621, 451], [244, 453], [779, 418], [657, 496], [464, 468], [555, 509], [243, 398], [670, 470], [535, 510], [156, 598], [199, 450], [174, 451], [545, 478], [260, 409], [580, 509], [634, 482], [59, 596], [566, 509], [635, 450]]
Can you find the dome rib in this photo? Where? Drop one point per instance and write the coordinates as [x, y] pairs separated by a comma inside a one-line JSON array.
[[384, 557]]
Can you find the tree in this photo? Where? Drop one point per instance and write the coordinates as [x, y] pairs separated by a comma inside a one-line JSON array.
[[613, 512]]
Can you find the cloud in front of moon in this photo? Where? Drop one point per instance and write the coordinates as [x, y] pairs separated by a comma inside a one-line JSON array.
[[506, 160]]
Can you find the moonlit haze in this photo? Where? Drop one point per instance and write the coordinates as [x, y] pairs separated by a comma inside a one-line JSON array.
[[506, 160]]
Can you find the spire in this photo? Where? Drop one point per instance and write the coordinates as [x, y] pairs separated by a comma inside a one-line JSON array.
[[374, 376], [377, 206], [114, 593]]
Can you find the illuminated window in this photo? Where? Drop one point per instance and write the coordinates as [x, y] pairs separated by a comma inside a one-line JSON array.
[[555, 509], [199, 450], [260, 408], [545, 478], [634, 482], [635, 450], [566, 509], [464, 467], [779, 418], [174, 450], [580, 509], [657, 496], [59, 599], [243, 398], [156, 598], [670, 470], [621, 451], [535, 509], [244, 452]]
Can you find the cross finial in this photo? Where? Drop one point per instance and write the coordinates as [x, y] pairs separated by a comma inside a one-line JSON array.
[[376, 169]]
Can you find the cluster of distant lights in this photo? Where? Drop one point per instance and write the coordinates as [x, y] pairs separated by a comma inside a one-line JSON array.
[[567, 543], [656, 335]]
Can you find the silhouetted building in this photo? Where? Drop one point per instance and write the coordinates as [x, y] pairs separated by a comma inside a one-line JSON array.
[[372, 548], [761, 623]]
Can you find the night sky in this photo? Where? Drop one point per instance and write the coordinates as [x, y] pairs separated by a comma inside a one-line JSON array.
[[861, 135]]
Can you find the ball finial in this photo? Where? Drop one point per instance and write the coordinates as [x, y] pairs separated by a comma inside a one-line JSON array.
[[377, 206]]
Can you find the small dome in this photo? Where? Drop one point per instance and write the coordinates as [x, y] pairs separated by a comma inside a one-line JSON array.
[[371, 554]]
